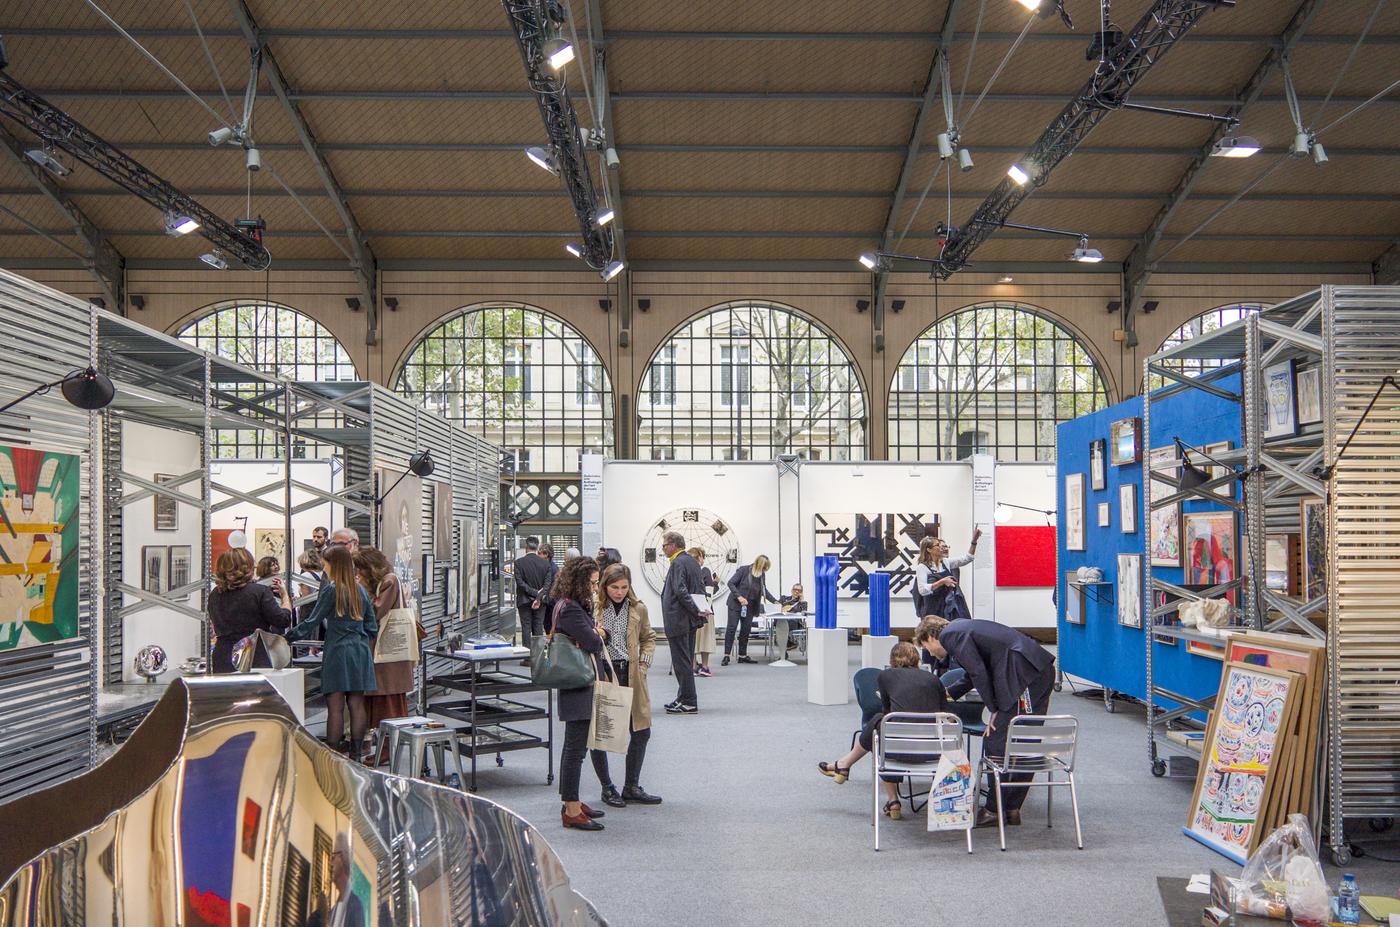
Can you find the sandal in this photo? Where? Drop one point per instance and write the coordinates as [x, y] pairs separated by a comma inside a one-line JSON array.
[[893, 809], [834, 771]]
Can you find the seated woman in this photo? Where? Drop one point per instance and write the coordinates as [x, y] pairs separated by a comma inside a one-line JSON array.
[[903, 687]]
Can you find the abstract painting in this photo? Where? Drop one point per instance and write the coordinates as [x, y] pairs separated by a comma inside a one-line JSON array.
[[1124, 440], [1212, 547], [1314, 520], [1309, 396], [1074, 511], [218, 546], [1280, 401], [1098, 464], [401, 527], [270, 542], [1164, 522], [1129, 590], [39, 493], [872, 543]]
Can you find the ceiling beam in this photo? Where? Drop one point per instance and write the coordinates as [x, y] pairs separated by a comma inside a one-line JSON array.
[[1138, 268], [363, 260], [102, 260], [612, 179]]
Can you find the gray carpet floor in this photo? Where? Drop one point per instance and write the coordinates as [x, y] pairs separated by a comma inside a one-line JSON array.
[[751, 833]]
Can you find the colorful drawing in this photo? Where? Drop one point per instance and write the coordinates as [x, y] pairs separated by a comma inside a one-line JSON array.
[[951, 799], [1253, 709], [39, 493], [1164, 522], [1211, 546]]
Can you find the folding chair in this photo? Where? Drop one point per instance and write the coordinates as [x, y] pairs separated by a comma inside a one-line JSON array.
[[909, 745], [1035, 744]]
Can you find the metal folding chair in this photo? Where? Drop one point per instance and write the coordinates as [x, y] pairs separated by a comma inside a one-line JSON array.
[[1036, 744], [909, 745]]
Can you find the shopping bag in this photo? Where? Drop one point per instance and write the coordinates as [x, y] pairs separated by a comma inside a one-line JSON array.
[[262, 649], [398, 634], [951, 800], [610, 728]]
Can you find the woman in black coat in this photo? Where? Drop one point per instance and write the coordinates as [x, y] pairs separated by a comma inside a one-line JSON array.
[[574, 591], [748, 587], [238, 607]]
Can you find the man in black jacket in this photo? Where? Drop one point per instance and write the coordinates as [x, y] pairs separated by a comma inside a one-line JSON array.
[[681, 617], [532, 577], [1001, 663]]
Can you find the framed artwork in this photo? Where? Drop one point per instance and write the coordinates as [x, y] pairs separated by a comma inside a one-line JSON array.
[[1280, 553], [270, 542], [451, 586], [1218, 471], [167, 509], [1314, 572], [1098, 464], [1127, 508], [862, 543], [180, 557], [442, 521], [401, 527], [1074, 511], [1074, 599], [483, 583], [1309, 396], [1212, 547], [428, 586], [1280, 401], [155, 569], [1104, 515], [252, 817], [1164, 522], [39, 496], [218, 546], [1124, 437], [1205, 649], [1129, 590], [468, 557]]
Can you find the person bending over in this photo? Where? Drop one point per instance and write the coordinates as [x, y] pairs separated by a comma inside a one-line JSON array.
[[903, 687]]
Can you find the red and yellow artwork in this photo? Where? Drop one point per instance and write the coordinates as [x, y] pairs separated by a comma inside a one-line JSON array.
[[39, 528]]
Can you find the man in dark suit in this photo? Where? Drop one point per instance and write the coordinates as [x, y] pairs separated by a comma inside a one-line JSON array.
[[532, 577], [1001, 663], [681, 617]]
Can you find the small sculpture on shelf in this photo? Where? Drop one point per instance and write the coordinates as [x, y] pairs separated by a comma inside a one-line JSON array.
[[151, 661]]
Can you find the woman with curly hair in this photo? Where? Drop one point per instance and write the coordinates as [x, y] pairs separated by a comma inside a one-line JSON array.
[[238, 607], [574, 592]]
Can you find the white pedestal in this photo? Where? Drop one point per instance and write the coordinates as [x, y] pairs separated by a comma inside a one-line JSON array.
[[290, 683], [875, 650], [828, 678]]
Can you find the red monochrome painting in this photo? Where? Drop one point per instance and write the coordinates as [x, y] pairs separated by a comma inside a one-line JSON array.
[[1025, 555]]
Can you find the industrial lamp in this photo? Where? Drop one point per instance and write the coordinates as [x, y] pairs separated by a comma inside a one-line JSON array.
[[88, 388]]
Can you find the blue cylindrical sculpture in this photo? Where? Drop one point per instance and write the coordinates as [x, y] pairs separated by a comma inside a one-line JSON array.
[[880, 604], [827, 572]]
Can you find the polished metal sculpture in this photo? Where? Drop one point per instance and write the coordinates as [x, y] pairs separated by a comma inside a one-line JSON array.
[[222, 810]]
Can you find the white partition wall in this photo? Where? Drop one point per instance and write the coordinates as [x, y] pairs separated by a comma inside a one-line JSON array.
[[1029, 484]]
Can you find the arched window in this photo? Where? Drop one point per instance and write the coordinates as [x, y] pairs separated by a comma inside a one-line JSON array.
[[274, 339], [1208, 321], [749, 382], [519, 378], [994, 378]]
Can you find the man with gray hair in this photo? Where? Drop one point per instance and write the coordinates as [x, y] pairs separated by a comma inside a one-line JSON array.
[[681, 617], [348, 538]]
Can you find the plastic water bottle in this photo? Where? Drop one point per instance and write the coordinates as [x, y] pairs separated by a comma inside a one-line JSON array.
[[1349, 901], [743, 611]]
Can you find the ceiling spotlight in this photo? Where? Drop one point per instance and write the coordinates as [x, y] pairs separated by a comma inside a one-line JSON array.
[[1031, 5], [1018, 174], [964, 160], [1236, 146], [222, 136], [945, 145], [558, 53], [352, 303], [869, 261], [177, 224], [544, 158], [1319, 153], [1084, 254], [45, 159], [574, 248], [1005, 278], [215, 260], [605, 217], [612, 270], [253, 160]]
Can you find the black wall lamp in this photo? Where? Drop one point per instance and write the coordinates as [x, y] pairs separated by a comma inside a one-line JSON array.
[[87, 389], [419, 464], [1325, 473]]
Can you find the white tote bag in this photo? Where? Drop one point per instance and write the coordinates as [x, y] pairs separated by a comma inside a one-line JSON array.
[[611, 726], [951, 800], [398, 635]]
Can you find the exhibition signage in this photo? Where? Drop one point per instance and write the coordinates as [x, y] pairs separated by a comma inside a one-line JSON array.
[[984, 503], [591, 502]]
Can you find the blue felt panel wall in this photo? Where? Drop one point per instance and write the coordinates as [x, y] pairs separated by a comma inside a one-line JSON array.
[[1101, 649]]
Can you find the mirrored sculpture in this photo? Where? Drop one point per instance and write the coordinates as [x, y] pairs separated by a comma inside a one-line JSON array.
[[222, 810], [150, 662]]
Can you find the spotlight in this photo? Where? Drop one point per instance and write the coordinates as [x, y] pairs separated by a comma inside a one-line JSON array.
[[945, 145], [558, 53], [1319, 153], [611, 159], [574, 248], [1018, 174], [222, 136], [391, 303], [896, 306], [605, 217], [177, 224], [45, 159], [964, 160], [612, 270], [215, 260], [544, 158], [137, 302], [1031, 5], [862, 305], [1084, 254], [1005, 278], [869, 261], [1236, 146], [422, 463], [352, 303], [1150, 306], [253, 160], [1301, 144]]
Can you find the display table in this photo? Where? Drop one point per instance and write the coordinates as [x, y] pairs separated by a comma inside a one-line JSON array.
[[780, 634], [875, 650], [828, 677], [290, 683]]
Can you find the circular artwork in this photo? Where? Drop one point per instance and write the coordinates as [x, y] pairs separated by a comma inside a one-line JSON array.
[[150, 661], [701, 528]]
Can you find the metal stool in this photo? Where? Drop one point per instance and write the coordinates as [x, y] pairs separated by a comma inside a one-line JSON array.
[[390, 729], [416, 740]]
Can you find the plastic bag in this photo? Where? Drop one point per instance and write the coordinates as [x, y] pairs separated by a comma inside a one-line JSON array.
[[1283, 878]]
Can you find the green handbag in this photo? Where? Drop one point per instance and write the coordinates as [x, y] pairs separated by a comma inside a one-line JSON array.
[[557, 662]]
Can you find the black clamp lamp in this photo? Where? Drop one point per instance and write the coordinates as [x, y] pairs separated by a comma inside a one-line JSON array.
[[1324, 473], [419, 464], [1002, 513], [88, 388]]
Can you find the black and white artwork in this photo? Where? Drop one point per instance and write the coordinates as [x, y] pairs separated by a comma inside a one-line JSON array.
[[180, 558], [1098, 453], [1104, 516], [1130, 590], [155, 569], [167, 509], [872, 543]]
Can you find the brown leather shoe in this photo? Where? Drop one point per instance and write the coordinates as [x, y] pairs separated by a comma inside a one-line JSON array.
[[1013, 818], [985, 818], [582, 822]]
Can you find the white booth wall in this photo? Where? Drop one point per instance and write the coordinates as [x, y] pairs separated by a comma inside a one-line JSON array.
[[248, 475], [774, 515]]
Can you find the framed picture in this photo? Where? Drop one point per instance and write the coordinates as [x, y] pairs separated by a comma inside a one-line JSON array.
[[1074, 599], [1074, 511], [451, 586], [1124, 436], [483, 583], [1280, 554], [1098, 464], [1127, 508], [1217, 471], [1204, 649], [1309, 396], [1104, 516], [180, 557], [1163, 522], [270, 542], [1280, 402], [442, 520], [167, 509], [1129, 590], [427, 580], [155, 569], [1212, 547], [1313, 582]]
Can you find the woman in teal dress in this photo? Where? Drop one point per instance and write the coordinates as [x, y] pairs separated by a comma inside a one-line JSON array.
[[347, 668]]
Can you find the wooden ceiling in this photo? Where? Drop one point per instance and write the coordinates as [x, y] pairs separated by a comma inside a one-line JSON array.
[[770, 132]]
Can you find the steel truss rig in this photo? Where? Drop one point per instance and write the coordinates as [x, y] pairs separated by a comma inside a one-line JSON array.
[[57, 129]]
